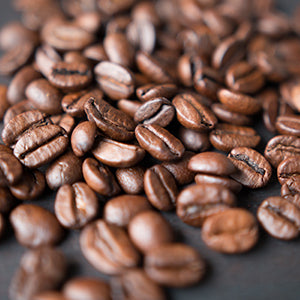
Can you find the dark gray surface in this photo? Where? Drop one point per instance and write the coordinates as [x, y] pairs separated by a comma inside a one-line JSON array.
[[270, 271]]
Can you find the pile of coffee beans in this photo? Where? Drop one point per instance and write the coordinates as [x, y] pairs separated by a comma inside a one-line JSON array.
[[128, 108]]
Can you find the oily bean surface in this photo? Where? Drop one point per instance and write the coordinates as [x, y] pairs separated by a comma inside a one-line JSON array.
[[288, 170], [288, 125]]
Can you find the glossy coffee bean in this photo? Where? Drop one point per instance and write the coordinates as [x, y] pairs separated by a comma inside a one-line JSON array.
[[65, 121], [7, 201], [280, 218], [231, 231], [253, 170], [11, 169], [148, 230], [129, 107], [35, 226], [100, 178], [193, 140], [288, 125], [152, 91], [4, 104], [75, 205], [95, 53], [198, 202], [288, 171], [108, 248], [175, 265], [40, 270]]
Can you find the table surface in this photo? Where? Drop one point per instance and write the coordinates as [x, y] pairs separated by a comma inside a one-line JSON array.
[[270, 271]]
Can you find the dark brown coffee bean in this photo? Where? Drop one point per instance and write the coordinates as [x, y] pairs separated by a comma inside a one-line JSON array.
[[116, 154], [100, 178], [194, 140], [198, 202], [131, 180], [192, 114], [134, 285], [11, 170], [75, 205], [64, 170], [211, 163], [7, 201], [31, 186], [114, 80], [65, 121], [121, 210], [159, 142], [35, 226], [112, 122], [86, 288], [239, 103], [129, 107], [148, 230], [281, 147], [152, 91], [70, 76], [44, 96], [108, 248], [40, 270], [83, 137], [289, 125], [4, 104], [280, 218], [160, 188], [288, 170], [226, 137], [157, 111], [49, 296], [253, 170], [232, 231], [175, 265]]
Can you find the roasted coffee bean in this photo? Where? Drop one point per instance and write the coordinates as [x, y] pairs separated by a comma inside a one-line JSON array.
[[192, 114], [116, 154], [44, 96], [75, 205], [49, 296], [157, 111], [148, 230], [7, 201], [274, 25], [159, 142], [198, 202], [83, 137], [86, 288], [244, 78], [194, 140], [160, 188], [111, 121], [232, 231], [152, 91], [65, 121], [114, 80], [2, 225], [239, 103], [64, 170], [35, 226], [4, 104], [289, 125], [100, 178], [280, 218], [281, 147], [70, 77], [108, 248], [253, 170], [76, 57], [226, 137], [134, 285], [11, 170], [175, 265], [122, 209], [211, 163], [40, 270], [31, 186], [290, 93], [131, 180], [288, 171], [129, 107], [95, 53]]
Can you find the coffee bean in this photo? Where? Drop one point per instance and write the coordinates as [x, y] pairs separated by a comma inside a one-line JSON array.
[[111, 121], [108, 248], [118, 24], [226, 137], [35, 226], [76, 57], [114, 80], [4, 104], [273, 25], [75, 205], [7, 201], [116, 154], [148, 230], [290, 93], [64, 170], [160, 188], [198, 202], [288, 170], [194, 140], [175, 265], [49, 296], [95, 53], [113, 8], [40, 270], [253, 170], [288, 125], [65, 121], [122, 209], [129, 107], [280, 218], [135, 284], [152, 91], [159, 142], [131, 180], [86, 288], [11, 170]]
